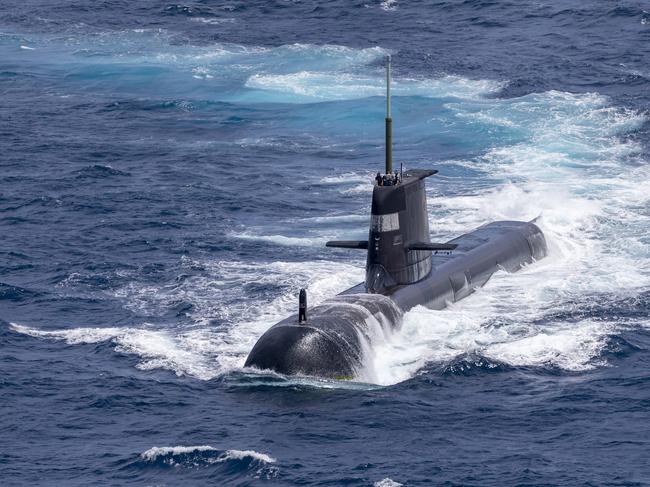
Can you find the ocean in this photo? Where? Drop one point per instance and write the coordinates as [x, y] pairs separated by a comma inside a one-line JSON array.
[[170, 172]]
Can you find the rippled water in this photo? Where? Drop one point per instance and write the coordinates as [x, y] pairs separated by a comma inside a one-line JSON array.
[[170, 173]]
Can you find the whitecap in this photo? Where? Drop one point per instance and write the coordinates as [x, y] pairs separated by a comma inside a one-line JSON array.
[[242, 454], [389, 5], [156, 452], [169, 452], [387, 482]]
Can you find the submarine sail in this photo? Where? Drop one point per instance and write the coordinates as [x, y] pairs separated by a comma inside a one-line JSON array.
[[403, 269]]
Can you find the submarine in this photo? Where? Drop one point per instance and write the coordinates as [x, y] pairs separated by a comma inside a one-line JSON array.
[[404, 269]]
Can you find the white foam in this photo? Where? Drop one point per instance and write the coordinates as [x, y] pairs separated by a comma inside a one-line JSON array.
[[205, 351], [387, 482], [155, 348], [292, 73], [569, 346], [74, 336], [574, 171], [283, 240], [242, 454], [309, 86], [338, 219], [389, 5], [363, 188], [347, 178], [214, 21], [152, 454], [202, 72], [237, 59]]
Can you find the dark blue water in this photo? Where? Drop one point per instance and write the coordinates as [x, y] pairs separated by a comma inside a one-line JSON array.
[[170, 172]]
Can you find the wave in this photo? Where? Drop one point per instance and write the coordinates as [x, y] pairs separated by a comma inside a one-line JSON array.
[[234, 463], [153, 454], [155, 348], [174, 455], [387, 482], [241, 454], [472, 364]]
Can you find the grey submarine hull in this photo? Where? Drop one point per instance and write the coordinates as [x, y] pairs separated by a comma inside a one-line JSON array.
[[337, 333], [404, 269]]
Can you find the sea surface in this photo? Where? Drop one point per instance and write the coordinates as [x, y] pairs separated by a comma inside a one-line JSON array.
[[169, 173]]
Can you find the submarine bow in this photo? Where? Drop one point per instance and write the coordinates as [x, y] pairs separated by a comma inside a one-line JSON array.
[[332, 342]]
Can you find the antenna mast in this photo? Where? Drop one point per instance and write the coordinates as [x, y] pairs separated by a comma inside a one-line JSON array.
[[389, 122]]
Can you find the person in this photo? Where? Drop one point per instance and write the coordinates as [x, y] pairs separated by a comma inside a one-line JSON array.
[[378, 179]]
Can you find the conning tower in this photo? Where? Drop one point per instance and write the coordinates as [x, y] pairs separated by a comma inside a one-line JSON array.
[[399, 248], [399, 234]]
